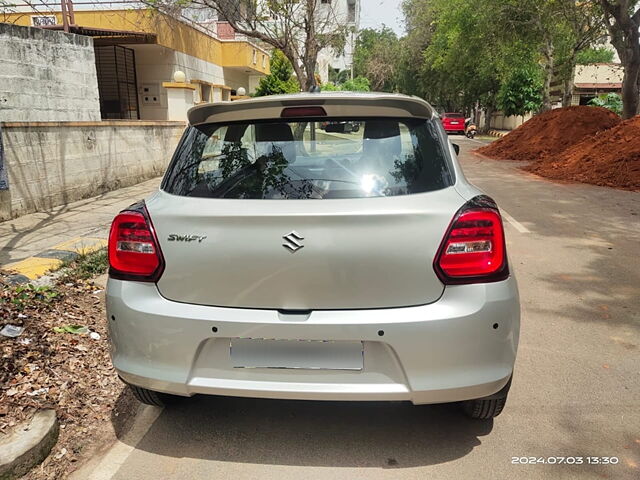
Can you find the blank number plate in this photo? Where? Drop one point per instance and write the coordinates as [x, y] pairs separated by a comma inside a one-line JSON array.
[[308, 354]]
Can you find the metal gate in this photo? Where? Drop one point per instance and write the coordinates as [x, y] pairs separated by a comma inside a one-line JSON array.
[[117, 83]]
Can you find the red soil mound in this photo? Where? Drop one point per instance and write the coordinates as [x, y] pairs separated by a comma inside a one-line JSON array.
[[551, 132], [610, 158]]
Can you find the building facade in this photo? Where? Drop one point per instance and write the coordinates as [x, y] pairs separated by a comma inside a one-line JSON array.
[[331, 16], [138, 51], [596, 79], [345, 12]]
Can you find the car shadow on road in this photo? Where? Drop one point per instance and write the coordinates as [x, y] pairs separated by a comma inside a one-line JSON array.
[[304, 433]]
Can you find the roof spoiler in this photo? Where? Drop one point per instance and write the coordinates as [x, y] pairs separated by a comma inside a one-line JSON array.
[[340, 105]]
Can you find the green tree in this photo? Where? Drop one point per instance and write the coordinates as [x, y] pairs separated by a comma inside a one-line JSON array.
[[557, 29], [280, 80], [330, 87], [419, 25], [612, 101], [594, 55], [521, 92], [375, 56], [463, 60], [358, 84], [337, 76], [469, 50]]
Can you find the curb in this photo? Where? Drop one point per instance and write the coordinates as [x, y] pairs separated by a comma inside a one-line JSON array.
[[50, 259], [28, 445], [498, 133]]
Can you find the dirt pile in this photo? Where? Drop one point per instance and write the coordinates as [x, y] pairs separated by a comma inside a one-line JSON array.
[[550, 133], [610, 158]]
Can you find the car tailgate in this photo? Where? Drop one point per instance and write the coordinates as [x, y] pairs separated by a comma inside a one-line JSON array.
[[302, 254]]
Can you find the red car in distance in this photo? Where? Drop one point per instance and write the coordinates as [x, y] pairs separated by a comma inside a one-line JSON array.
[[453, 122]]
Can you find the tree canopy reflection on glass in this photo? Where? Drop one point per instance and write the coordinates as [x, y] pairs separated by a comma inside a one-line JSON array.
[[334, 158]]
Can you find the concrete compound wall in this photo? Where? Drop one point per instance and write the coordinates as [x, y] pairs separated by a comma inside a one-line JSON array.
[[46, 76], [500, 122], [54, 163]]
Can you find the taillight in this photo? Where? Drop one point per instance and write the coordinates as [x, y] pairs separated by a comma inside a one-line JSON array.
[[473, 249], [134, 253]]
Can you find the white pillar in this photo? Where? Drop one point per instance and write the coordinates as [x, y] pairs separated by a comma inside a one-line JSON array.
[[180, 98]]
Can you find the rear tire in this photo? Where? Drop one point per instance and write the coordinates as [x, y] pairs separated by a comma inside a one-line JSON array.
[[487, 407], [484, 409], [156, 399]]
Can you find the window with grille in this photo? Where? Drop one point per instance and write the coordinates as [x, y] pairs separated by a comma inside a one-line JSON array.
[[117, 84]]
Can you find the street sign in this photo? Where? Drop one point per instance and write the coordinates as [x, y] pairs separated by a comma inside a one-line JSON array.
[[43, 20]]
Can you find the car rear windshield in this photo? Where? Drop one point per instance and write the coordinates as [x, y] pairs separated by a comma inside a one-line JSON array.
[[333, 158], [453, 115]]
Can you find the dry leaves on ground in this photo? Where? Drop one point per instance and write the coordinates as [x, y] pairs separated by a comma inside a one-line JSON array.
[[69, 372]]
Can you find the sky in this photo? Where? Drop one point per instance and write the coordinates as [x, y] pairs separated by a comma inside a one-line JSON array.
[[374, 13]]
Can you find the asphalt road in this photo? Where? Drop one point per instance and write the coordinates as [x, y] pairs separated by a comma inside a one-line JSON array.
[[576, 391]]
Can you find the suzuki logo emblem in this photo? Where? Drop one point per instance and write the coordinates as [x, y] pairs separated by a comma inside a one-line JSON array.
[[292, 241]]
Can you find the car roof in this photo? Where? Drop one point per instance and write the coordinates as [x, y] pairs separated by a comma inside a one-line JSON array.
[[336, 104]]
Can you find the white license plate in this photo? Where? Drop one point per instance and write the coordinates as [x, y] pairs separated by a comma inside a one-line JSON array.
[[306, 354], [454, 123]]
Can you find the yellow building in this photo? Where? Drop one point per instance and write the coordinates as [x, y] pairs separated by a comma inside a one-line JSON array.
[[138, 51]]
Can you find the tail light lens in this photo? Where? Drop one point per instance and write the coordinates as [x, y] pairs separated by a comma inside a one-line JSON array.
[[134, 253], [473, 250]]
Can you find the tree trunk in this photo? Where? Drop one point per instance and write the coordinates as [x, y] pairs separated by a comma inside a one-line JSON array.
[[488, 113], [623, 32], [567, 96], [297, 69], [310, 70], [548, 76], [310, 57], [302, 78], [630, 91], [569, 70], [630, 100]]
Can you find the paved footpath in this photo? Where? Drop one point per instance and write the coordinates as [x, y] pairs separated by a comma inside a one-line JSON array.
[[33, 244]]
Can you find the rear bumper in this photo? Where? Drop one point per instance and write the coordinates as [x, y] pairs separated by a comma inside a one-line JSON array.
[[454, 129], [442, 352]]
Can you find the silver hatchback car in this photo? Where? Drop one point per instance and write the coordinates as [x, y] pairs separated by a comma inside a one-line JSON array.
[[279, 260]]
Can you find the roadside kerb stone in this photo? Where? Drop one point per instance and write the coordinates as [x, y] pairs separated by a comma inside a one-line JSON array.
[[498, 133], [28, 445]]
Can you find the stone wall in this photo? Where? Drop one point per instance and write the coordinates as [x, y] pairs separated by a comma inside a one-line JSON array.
[[46, 76], [54, 163]]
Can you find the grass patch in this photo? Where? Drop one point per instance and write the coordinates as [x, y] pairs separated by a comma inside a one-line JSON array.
[[29, 295], [87, 265]]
